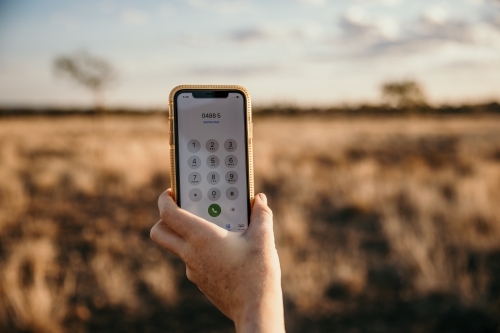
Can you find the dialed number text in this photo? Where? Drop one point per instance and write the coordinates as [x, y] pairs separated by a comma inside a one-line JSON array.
[[210, 115]]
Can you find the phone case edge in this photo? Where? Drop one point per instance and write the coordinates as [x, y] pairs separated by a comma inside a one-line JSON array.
[[173, 171]]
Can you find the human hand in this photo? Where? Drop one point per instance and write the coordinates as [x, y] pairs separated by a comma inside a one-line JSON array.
[[238, 272]]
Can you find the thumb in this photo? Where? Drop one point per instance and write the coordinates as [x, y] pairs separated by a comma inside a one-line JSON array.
[[261, 219]]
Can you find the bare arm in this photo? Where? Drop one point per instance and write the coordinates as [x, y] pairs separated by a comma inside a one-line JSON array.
[[238, 272]]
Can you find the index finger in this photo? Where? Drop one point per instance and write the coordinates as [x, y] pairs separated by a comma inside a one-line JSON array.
[[184, 223]]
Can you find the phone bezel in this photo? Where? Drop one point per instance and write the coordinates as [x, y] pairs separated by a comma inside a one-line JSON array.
[[248, 164]]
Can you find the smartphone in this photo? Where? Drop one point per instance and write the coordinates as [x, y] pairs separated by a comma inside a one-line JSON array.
[[211, 153]]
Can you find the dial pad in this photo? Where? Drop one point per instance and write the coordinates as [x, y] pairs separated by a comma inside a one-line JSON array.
[[196, 178]]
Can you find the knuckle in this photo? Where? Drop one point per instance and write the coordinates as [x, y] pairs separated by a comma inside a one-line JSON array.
[[268, 211], [167, 213], [191, 275]]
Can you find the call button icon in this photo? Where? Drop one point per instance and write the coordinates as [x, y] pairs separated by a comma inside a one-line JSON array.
[[214, 210]]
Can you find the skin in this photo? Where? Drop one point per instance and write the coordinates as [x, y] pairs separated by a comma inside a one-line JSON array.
[[238, 272]]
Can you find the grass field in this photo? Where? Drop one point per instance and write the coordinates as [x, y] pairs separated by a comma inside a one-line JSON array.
[[383, 224]]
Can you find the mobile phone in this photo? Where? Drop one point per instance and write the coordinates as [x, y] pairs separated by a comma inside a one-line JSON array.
[[211, 159]]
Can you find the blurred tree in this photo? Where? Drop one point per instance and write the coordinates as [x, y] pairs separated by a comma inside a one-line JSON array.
[[403, 94], [91, 72]]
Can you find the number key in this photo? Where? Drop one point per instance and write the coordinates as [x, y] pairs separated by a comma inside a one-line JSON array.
[[231, 161], [230, 145], [194, 178], [194, 162], [194, 146], [212, 161], [231, 177], [213, 178], [212, 145]]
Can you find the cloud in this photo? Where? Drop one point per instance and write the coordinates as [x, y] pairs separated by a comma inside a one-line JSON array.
[[234, 71], [435, 24], [364, 35], [435, 15], [309, 31], [359, 26], [133, 17], [248, 35], [226, 7], [389, 3], [313, 2]]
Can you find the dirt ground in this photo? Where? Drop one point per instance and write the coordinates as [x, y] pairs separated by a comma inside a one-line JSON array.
[[382, 225]]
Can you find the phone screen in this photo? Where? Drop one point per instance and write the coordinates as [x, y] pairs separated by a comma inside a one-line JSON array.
[[212, 157]]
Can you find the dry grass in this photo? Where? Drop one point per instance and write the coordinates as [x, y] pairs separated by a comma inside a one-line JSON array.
[[383, 225]]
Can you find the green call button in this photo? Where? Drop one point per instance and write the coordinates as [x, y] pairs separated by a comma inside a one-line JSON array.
[[214, 210]]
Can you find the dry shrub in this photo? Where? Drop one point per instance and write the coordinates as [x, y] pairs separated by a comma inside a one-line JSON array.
[[374, 219]]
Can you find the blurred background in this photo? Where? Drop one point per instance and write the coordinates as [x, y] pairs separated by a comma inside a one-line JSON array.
[[377, 141]]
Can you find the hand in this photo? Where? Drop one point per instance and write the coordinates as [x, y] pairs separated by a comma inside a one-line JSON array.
[[238, 272]]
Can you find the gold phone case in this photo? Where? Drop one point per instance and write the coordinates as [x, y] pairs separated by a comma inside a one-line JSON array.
[[171, 114]]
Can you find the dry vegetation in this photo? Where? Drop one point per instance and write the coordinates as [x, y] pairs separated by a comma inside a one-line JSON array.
[[382, 224]]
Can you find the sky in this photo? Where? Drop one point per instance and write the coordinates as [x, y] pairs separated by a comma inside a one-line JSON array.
[[306, 52]]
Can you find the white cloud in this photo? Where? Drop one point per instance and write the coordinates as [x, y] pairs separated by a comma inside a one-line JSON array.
[[133, 17], [359, 26], [248, 35], [475, 2], [313, 2], [308, 31], [485, 34], [389, 3], [435, 15], [226, 7], [234, 71]]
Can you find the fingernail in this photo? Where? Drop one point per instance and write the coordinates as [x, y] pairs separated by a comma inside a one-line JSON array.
[[263, 197]]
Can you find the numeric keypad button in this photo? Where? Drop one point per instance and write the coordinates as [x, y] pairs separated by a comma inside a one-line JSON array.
[[212, 145], [194, 146], [212, 161], [232, 193], [195, 194], [231, 177], [213, 178], [230, 145], [194, 178], [194, 162], [231, 161], [213, 194]]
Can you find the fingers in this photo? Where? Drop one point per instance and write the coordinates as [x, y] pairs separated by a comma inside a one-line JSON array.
[[261, 219], [182, 222], [167, 238]]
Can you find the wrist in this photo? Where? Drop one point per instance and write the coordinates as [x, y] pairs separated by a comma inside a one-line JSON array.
[[262, 313]]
